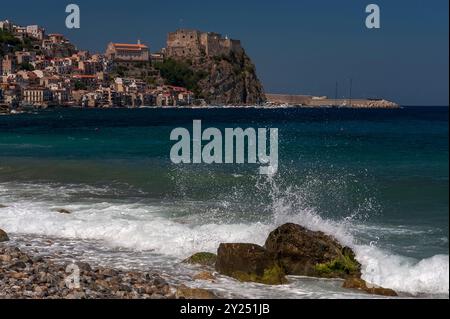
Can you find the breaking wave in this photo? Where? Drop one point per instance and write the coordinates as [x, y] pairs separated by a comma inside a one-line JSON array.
[[145, 227]]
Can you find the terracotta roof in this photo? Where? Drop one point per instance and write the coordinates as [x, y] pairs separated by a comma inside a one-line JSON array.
[[82, 76], [126, 46]]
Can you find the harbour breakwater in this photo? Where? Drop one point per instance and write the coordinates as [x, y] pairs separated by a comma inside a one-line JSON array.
[[312, 101]]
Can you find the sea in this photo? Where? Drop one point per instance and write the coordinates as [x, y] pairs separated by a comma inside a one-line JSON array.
[[376, 180]]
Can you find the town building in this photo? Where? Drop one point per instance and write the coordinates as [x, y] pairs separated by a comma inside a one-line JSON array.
[[36, 32], [25, 78], [12, 95], [90, 67], [8, 65], [60, 96], [57, 46], [122, 52], [88, 81], [25, 57], [38, 96], [157, 57], [6, 26], [19, 31]]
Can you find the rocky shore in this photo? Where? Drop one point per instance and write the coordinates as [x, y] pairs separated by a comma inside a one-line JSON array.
[[290, 250], [25, 276]]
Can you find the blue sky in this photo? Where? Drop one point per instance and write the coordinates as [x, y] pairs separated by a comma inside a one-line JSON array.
[[298, 46]]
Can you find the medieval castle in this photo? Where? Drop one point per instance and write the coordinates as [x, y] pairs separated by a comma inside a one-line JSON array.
[[193, 43]]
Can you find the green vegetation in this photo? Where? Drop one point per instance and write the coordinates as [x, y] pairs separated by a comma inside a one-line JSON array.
[[80, 86], [271, 276], [204, 259], [7, 39], [119, 71], [26, 67], [339, 267], [179, 73]]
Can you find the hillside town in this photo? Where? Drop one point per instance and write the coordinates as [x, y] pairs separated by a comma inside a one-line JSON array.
[[40, 70]]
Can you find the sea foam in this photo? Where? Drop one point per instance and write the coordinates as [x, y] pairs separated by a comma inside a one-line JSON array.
[[143, 228]]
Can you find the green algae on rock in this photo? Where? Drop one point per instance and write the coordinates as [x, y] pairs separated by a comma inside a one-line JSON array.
[[203, 259], [302, 252], [249, 263]]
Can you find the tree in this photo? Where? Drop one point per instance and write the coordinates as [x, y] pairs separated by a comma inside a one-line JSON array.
[[179, 73], [25, 66], [80, 86]]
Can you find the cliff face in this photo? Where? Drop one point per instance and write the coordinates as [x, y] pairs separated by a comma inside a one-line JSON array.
[[225, 73], [230, 79]]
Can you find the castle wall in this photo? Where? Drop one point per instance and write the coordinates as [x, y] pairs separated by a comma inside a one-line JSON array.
[[184, 43], [193, 43]]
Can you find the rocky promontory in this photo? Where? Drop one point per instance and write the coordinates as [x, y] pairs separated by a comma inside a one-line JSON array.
[[230, 79], [216, 68]]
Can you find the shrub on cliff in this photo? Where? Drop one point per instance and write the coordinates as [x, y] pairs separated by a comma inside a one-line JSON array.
[[179, 73]]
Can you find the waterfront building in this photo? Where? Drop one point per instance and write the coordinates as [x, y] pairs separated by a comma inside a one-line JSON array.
[[37, 95]]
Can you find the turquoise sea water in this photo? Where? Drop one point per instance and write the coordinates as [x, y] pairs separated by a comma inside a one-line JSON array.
[[375, 179]]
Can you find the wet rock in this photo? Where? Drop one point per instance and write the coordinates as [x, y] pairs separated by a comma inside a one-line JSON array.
[[18, 275], [206, 276], [27, 276], [3, 206], [359, 284], [76, 295], [84, 267], [3, 236], [203, 259], [184, 292], [5, 258], [303, 252], [157, 281], [63, 211], [249, 263], [18, 265], [109, 273]]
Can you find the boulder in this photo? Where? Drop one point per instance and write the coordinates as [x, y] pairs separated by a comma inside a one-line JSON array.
[[302, 252], [3, 206], [249, 263], [205, 276], [3, 236], [359, 284], [184, 292], [203, 259]]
